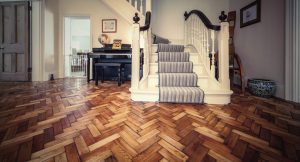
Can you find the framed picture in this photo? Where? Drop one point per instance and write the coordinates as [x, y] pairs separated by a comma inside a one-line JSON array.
[[250, 14], [109, 25]]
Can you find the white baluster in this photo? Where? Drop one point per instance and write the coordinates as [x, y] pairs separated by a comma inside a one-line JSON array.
[[130, 2], [189, 31], [136, 4], [212, 67], [185, 33], [192, 32], [142, 7], [146, 54], [207, 46], [203, 46]]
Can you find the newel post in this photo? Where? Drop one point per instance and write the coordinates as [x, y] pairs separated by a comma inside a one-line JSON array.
[[224, 56], [135, 70]]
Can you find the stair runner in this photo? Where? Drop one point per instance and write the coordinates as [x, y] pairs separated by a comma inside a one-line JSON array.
[[177, 82]]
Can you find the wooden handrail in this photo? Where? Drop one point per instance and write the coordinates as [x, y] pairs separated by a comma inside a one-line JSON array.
[[203, 18], [147, 22]]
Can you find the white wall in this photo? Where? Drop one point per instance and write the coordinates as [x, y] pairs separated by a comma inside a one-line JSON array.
[[97, 11], [51, 36], [261, 45], [37, 49], [168, 19]]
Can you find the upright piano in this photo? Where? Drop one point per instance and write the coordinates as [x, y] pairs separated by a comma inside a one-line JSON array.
[[109, 55]]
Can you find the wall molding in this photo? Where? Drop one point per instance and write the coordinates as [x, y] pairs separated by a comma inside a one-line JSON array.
[[292, 50]]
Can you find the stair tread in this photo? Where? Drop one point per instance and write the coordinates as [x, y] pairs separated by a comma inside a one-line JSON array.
[[173, 57]]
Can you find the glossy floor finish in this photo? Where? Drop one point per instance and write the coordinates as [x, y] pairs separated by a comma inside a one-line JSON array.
[[70, 120]]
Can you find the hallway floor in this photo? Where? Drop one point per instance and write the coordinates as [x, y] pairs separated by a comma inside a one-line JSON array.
[[70, 120]]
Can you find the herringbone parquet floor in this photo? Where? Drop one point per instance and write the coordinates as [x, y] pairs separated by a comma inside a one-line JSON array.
[[70, 120]]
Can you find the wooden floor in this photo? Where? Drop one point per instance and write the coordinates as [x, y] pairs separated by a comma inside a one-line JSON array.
[[70, 120]]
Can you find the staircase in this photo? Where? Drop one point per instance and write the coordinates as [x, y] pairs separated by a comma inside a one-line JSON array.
[[177, 82], [193, 60]]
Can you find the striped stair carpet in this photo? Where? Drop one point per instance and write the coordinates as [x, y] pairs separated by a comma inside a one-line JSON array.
[[177, 82]]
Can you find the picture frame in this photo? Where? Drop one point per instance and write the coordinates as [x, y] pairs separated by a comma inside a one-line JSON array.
[[250, 14], [109, 25]]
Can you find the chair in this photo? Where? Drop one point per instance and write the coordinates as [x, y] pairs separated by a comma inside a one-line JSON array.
[[99, 68]]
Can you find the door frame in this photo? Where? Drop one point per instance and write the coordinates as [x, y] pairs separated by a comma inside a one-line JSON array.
[[62, 56]]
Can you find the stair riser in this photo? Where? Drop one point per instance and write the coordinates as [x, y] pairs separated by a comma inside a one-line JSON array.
[[175, 67], [179, 80]]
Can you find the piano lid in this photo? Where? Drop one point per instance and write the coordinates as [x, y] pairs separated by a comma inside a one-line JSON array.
[[126, 48]]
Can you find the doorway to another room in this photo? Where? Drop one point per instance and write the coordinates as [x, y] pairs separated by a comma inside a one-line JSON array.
[[77, 42]]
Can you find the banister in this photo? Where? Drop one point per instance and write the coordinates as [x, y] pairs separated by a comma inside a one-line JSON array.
[[203, 18], [147, 22]]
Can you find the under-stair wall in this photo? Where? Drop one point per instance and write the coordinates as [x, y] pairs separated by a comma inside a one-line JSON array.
[[127, 8]]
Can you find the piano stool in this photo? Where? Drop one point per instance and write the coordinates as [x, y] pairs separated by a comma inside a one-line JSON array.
[[99, 68]]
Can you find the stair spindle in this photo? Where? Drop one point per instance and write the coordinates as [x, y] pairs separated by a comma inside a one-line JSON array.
[[207, 46], [212, 67], [203, 47], [193, 28], [142, 7], [200, 43], [136, 4]]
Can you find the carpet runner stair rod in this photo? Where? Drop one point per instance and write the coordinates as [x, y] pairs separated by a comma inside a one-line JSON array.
[[177, 81]]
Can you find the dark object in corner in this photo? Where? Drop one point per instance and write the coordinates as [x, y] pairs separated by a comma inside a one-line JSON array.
[[51, 77], [261, 87], [223, 16], [204, 19], [160, 40], [136, 18]]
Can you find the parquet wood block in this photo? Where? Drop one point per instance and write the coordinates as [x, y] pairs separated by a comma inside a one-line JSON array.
[[70, 120]]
